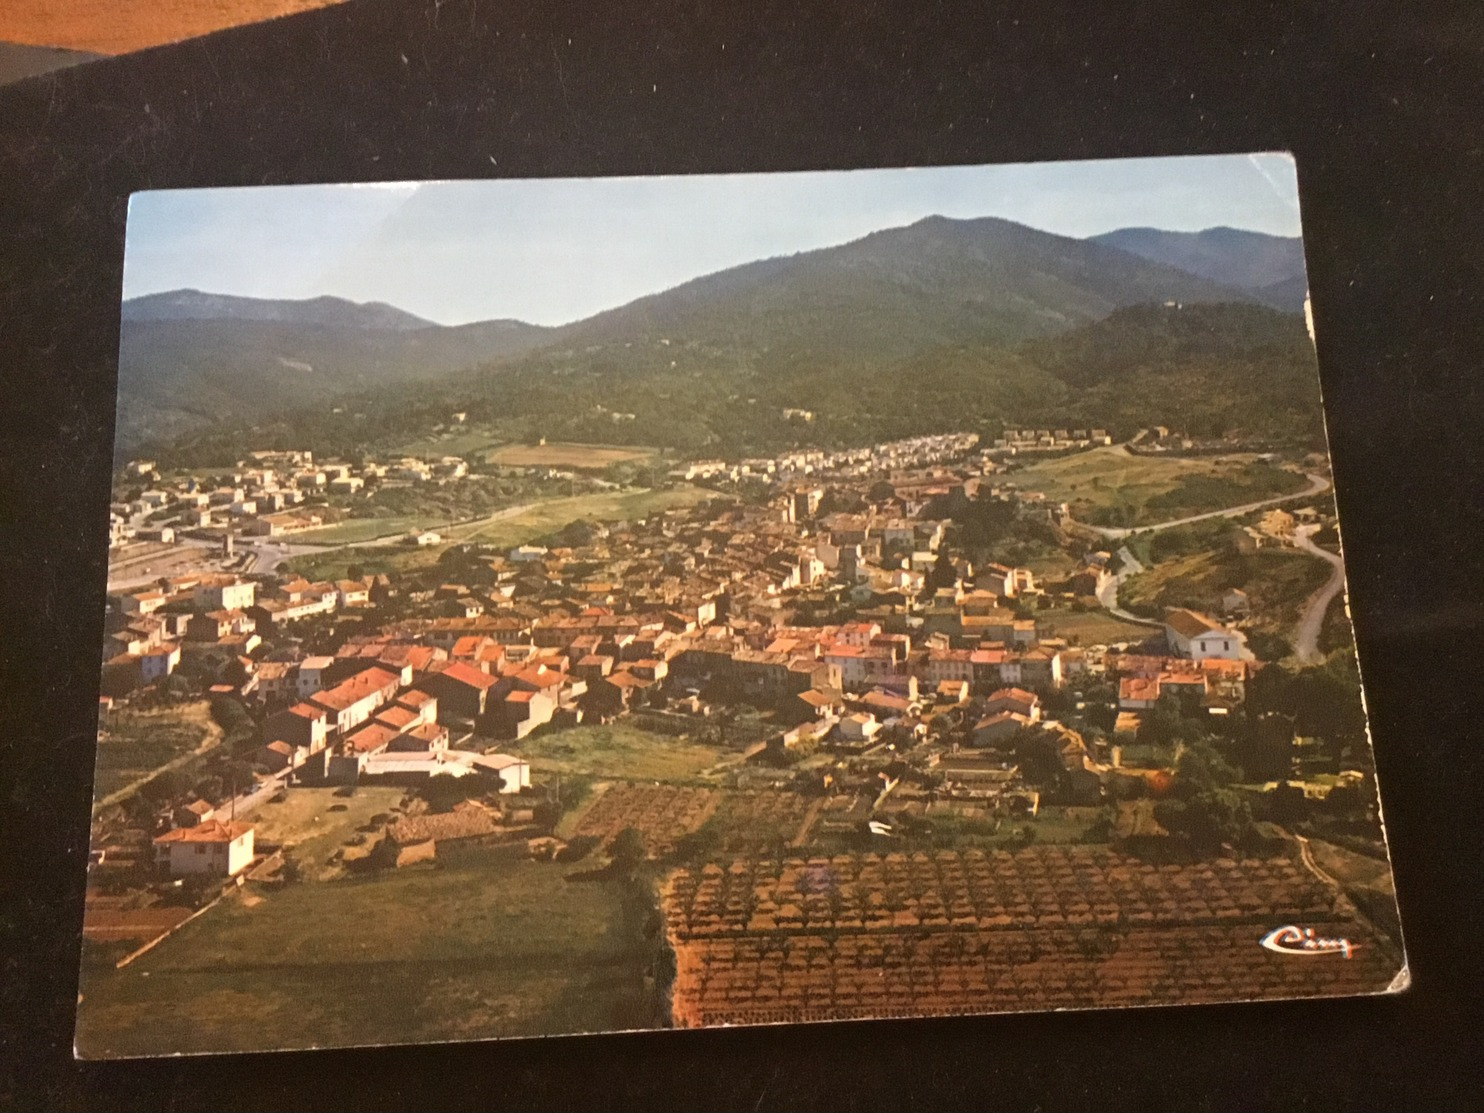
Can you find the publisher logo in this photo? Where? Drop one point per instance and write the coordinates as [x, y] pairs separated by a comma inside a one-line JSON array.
[[1292, 940]]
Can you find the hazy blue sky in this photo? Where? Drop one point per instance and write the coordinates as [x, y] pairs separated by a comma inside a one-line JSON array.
[[556, 250]]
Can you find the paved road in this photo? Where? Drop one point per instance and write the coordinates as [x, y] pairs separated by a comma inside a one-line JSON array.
[[1306, 643], [1317, 484], [267, 555], [1108, 589]]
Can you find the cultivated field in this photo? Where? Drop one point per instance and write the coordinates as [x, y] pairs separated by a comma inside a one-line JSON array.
[[754, 820], [619, 751], [479, 948], [661, 814], [591, 457], [852, 935]]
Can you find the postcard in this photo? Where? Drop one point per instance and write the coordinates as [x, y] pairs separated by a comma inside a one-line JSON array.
[[553, 607]]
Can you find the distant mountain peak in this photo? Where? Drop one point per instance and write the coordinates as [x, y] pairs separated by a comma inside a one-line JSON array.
[[1268, 267], [325, 310]]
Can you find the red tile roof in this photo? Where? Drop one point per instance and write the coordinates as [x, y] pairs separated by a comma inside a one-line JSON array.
[[213, 830], [469, 675]]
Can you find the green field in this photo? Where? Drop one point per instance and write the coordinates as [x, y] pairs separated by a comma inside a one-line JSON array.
[[365, 529], [475, 949], [132, 745], [457, 440], [589, 457], [552, 514], [619, 751], [335, 564], [1091, 627], [502, 530], [1113, 487]]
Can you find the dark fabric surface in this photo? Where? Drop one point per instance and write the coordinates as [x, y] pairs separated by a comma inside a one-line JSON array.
[[1383, 106]]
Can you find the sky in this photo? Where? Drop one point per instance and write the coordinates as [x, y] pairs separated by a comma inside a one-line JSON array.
[[550, 251]]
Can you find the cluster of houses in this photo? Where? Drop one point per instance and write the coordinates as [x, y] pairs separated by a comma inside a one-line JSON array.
[[802, 464], [1013, 442], [855, 626], [269, 494], [213, 619]]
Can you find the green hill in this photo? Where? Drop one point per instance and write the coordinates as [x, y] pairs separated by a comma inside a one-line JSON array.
[[183, 375], [1203, 369], [944, 324]]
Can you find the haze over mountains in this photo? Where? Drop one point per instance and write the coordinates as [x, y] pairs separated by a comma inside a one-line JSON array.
[[1271, 268], [332, 312], [896, 307]]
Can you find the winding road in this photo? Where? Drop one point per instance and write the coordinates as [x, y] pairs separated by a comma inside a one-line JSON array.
[[1317, 485], [1306, 641], [1306, 644], [1108, 588]]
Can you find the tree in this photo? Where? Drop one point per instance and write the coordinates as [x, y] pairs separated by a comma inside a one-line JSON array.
[[1205, 814], [1268, 647], [627, 850], [1208, 820], [1201, 769], [578, 847], [942, 574]]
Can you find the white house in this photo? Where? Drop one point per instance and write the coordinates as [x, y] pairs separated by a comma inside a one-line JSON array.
[[215, 847], [1202, 638], [225, 593], [515, 773]]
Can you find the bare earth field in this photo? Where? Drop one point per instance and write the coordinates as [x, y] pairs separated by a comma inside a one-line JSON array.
[[312, 823], [585, 456]]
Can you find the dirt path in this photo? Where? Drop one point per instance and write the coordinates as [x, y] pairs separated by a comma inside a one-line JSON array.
[[802, 835], [212, 740]]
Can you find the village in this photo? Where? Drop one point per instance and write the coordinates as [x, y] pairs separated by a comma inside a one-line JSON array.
[[819, 658]]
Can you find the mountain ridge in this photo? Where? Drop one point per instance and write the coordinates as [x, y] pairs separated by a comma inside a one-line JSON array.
[[190, 304], [895, 301], [1267, 267]]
